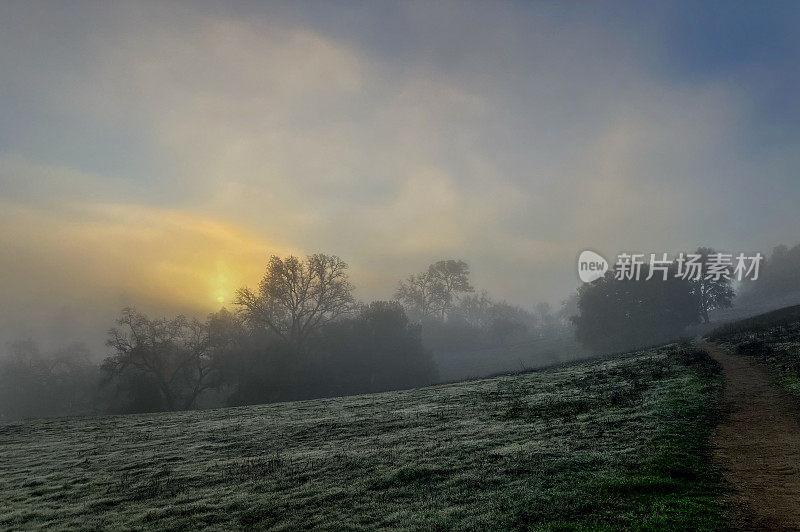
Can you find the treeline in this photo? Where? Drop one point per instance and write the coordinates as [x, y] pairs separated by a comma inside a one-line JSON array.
[[454, 316], [779, 278], [616, 314], [230, 360], [36, 384], [301, 334], [298, 334]]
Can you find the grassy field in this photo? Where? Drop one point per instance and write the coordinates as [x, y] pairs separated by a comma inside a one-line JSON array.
[[619, 442], [773, 338]]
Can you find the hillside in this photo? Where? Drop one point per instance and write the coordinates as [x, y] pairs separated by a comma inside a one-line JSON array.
[[613, 442], [773, 339]]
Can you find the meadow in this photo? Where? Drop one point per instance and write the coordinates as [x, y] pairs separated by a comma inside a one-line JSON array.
[[608, 443]]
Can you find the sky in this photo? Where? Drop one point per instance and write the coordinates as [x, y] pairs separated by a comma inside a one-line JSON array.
[[155, 154]]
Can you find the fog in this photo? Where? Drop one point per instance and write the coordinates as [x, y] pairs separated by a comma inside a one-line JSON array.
[[301, 334], [155, 156]]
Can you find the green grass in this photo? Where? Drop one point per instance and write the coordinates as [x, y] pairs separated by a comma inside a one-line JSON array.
[[612, 443]]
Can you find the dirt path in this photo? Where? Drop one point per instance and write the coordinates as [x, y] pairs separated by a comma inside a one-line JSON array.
[[758, 446]]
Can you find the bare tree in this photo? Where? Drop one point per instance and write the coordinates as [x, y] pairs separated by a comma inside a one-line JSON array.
[[418, 295], [176, 353], [435, 291], [450, 279], [297, 297], [476, 309]]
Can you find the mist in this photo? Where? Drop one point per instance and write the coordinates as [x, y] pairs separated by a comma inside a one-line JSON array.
[[302, 334], [399, 265], [156, 155]]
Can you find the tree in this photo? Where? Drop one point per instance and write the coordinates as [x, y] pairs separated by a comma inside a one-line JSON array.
[[543, 309], [377, 350], [176, 354], [778, 283], [548, 322], [507, 321], [569, 309], [622, 314], [450, 279], [297, 297], [435, 291], [475, 309], [228, 340], [417, 295], [36, 384], [712, 292]]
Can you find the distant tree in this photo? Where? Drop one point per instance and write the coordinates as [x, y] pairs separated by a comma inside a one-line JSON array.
[[508, 321], [712, 293], [623, 314], [35, 384], [780, 252], [435, 291], [24, 381], [74, 378], [475, 309], [543, 308], [296, 297], [130, 392], [778, 281], [228, 341], [569, 309], [176, 354], [377, 350], [262, 368], [548, 322], [418, 295], [450, 280], [224, 329]]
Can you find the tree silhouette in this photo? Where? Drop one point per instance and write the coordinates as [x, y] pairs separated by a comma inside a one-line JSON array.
[[435, 291], [417, 294], [177, 354], [450, 279], [297, 297], [378, 350], [622, 314]]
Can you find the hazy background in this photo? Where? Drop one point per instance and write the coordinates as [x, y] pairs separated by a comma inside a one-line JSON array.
[[155, 154]]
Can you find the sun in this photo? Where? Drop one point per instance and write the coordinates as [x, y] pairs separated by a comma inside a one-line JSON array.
[[220, 282]]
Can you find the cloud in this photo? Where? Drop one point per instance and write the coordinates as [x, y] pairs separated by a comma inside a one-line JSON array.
[[284, 131], [392, 145], [69, 265]]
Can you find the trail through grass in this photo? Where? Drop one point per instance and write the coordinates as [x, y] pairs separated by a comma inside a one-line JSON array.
[[772, 339]]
